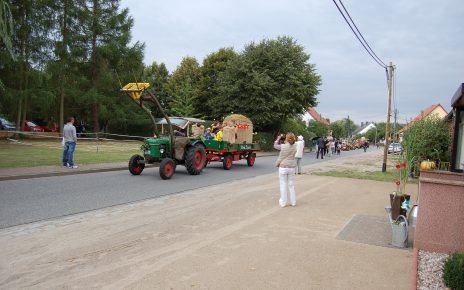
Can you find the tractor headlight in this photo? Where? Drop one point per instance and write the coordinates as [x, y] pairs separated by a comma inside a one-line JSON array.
[[162, 150]]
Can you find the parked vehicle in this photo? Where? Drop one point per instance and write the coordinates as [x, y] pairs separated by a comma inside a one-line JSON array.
[[32, 127], [7, 125], [395, 148], [50, 127]]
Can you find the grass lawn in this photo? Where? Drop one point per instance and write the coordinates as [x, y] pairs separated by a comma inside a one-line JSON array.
[[49, 152], [389, 176]]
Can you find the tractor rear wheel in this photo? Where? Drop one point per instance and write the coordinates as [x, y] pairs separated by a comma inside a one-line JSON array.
[[227, 162], [135, 167], [195, 159], [251, 159], [167, 168]]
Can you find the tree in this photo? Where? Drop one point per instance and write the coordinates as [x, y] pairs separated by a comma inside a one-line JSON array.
[[158, 77], [182, 87], [208, 85], [6, 27], [338, 128], [380, 132], [31, 46], [68, 49], [268, 82], [297, 126], [107, 37], [319, 129]]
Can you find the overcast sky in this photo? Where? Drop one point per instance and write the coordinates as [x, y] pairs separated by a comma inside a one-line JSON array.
[[423, 38]]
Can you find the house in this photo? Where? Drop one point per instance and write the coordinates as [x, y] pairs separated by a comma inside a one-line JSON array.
[[434, 110], [312, 114], [364, 128]]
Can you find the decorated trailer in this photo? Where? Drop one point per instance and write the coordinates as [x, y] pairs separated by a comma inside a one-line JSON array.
[[237, 143]]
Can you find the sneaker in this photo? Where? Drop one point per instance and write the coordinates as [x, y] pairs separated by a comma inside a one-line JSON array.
[[66, 165], [73, 167]]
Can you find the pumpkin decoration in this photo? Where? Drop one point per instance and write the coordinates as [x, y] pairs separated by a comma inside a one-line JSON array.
[[427, 165]]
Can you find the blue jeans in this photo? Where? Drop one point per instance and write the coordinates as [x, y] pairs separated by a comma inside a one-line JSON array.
[[68, 153]]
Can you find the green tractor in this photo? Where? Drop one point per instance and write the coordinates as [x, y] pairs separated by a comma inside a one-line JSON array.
[[168, 151]]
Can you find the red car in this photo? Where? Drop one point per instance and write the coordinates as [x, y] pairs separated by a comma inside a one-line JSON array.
[[32, 127]]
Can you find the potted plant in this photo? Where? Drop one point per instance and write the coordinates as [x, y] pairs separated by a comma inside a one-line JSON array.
[[399, 200]]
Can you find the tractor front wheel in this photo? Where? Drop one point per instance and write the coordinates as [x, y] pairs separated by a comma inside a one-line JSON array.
[[167, 168], [227, 162], [195, 159], [135, 167]]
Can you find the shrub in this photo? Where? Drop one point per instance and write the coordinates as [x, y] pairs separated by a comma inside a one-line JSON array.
[[453, 273], [427, 139], [265, 141]]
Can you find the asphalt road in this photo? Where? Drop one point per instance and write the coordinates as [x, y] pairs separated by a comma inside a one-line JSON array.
[[36, 199]]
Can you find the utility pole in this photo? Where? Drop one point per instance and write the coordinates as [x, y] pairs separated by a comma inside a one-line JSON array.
[[387, 126], [348, 127], [395, 114]]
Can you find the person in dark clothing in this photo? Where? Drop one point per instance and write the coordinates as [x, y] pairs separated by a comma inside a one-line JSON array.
[[320, 148], [326, 146], [365, 146]]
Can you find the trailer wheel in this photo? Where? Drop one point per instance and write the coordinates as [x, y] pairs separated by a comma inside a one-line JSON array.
[[251, 159], [227, 162], [195, 159], [135, 167], [167, 168]]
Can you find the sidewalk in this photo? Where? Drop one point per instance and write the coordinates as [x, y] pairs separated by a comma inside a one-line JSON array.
[[227, 236], [45, 171]]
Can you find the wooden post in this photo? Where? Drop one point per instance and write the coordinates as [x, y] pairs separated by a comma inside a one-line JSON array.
[[387, 126]]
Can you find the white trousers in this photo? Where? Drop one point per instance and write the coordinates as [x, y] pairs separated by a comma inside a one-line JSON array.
[[287, 181]]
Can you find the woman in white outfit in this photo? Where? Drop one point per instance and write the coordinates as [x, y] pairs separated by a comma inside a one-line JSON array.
[[286, 163], [299, 153]]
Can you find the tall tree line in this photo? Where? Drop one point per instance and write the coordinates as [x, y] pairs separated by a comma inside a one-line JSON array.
[[65, 60], [69, 58]]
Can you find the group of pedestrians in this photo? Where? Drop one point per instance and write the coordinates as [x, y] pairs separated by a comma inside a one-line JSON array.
[[329, 147]]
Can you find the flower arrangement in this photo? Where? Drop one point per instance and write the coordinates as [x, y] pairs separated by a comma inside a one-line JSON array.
[[403, 168]]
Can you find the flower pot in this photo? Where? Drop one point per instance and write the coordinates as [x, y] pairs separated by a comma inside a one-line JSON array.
[[395, 202]]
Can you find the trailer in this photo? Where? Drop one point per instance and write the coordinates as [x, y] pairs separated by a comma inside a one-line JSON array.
[[225, 152]]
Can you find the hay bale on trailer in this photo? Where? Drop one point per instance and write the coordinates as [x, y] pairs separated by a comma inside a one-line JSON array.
[[243, 127]]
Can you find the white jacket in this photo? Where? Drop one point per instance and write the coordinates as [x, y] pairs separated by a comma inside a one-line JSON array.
[[299, 148]]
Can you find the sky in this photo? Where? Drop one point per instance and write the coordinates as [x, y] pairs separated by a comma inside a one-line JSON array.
[[424, 39]]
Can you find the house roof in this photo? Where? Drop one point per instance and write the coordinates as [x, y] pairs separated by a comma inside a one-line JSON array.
[[317, 116], [423, 114], [363, 130]]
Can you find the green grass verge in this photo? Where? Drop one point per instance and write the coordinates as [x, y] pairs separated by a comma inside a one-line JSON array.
[[17, 155], [389, 176]]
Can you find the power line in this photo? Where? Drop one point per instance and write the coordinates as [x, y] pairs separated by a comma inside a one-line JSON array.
[[360, 34], [378, 61]]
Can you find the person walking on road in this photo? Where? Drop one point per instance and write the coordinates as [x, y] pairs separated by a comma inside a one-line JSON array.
[[286, 163], [320, 148], [70, 141], [299, 153]]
